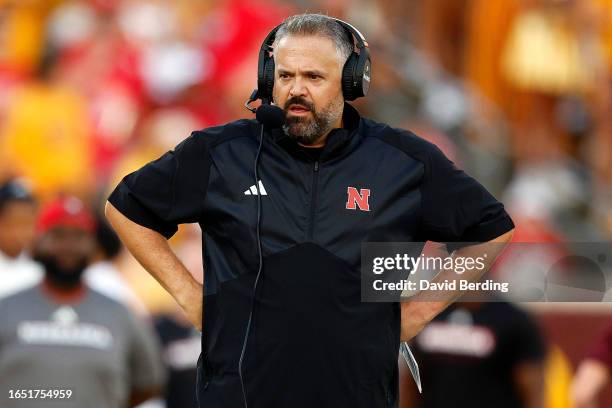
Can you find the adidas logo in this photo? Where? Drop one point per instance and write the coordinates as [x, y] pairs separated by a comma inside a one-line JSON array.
[[253, 189]]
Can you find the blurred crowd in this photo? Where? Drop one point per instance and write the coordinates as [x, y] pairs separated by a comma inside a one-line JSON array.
[[517, 92]]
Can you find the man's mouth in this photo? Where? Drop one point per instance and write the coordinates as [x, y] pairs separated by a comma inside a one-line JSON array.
[[298, 109]]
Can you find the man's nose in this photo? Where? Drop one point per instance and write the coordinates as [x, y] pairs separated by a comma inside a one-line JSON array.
[[297, 88]]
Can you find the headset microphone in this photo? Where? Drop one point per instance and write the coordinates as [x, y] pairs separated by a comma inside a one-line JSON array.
[[270, 116]]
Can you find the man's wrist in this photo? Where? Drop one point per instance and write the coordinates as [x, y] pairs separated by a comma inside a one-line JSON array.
[[189, 292]]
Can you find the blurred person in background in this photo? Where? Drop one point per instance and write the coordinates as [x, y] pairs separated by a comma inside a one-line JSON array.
[[181, 347], [478, 355], [17, 230], [593, 372], [62, 335]]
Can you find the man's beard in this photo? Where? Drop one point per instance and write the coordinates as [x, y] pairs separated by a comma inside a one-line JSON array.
[[62, 277], [307, 130]]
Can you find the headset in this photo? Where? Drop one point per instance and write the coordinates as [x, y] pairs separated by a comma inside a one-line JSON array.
[[356, 72], [356, 75]]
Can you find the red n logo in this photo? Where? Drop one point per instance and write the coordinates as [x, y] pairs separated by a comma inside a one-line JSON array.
[[357, 199]]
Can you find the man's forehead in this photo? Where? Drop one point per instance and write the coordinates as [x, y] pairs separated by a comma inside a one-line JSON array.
[[318, 51]]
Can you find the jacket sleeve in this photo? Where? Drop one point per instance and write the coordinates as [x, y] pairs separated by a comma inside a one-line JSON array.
[[457, 208], [167, 191]]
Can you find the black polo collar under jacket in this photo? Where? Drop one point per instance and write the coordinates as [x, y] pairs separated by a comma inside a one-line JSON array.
[[338, 141]]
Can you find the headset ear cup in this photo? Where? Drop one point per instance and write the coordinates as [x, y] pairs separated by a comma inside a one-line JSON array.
[[268, 79], [363, 74], [366, 76], [349, 87]]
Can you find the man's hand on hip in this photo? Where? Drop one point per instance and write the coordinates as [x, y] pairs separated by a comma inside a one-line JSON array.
[[152, 251], [190, 300]]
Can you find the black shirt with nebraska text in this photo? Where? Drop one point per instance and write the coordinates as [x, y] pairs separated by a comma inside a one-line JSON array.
[[469, 356]]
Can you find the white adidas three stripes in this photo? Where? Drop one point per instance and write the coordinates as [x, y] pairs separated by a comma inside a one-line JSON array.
[[253, 189]]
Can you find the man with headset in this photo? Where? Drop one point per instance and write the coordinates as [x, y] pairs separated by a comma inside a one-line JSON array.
[[284, 209]]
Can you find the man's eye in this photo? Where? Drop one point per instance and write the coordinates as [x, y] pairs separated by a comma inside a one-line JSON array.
[[314, 76], [283, 76]]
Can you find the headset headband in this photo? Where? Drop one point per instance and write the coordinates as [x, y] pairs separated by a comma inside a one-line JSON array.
[[355, 73]]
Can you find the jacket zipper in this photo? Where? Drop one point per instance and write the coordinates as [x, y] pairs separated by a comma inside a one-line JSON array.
[[313, 199]]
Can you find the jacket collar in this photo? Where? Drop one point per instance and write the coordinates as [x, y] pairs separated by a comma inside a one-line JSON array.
[[337, 140]]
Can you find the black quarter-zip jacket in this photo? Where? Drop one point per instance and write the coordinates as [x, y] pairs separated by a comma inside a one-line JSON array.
[[312, 343]]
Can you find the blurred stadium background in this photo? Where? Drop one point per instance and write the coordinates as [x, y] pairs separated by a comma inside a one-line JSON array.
[[517, 92]]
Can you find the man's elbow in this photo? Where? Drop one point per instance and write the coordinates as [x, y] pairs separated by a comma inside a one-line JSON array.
[[115, 218], [108, 211]]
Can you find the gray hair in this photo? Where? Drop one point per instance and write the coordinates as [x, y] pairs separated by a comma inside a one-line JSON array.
[[317, 24]]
